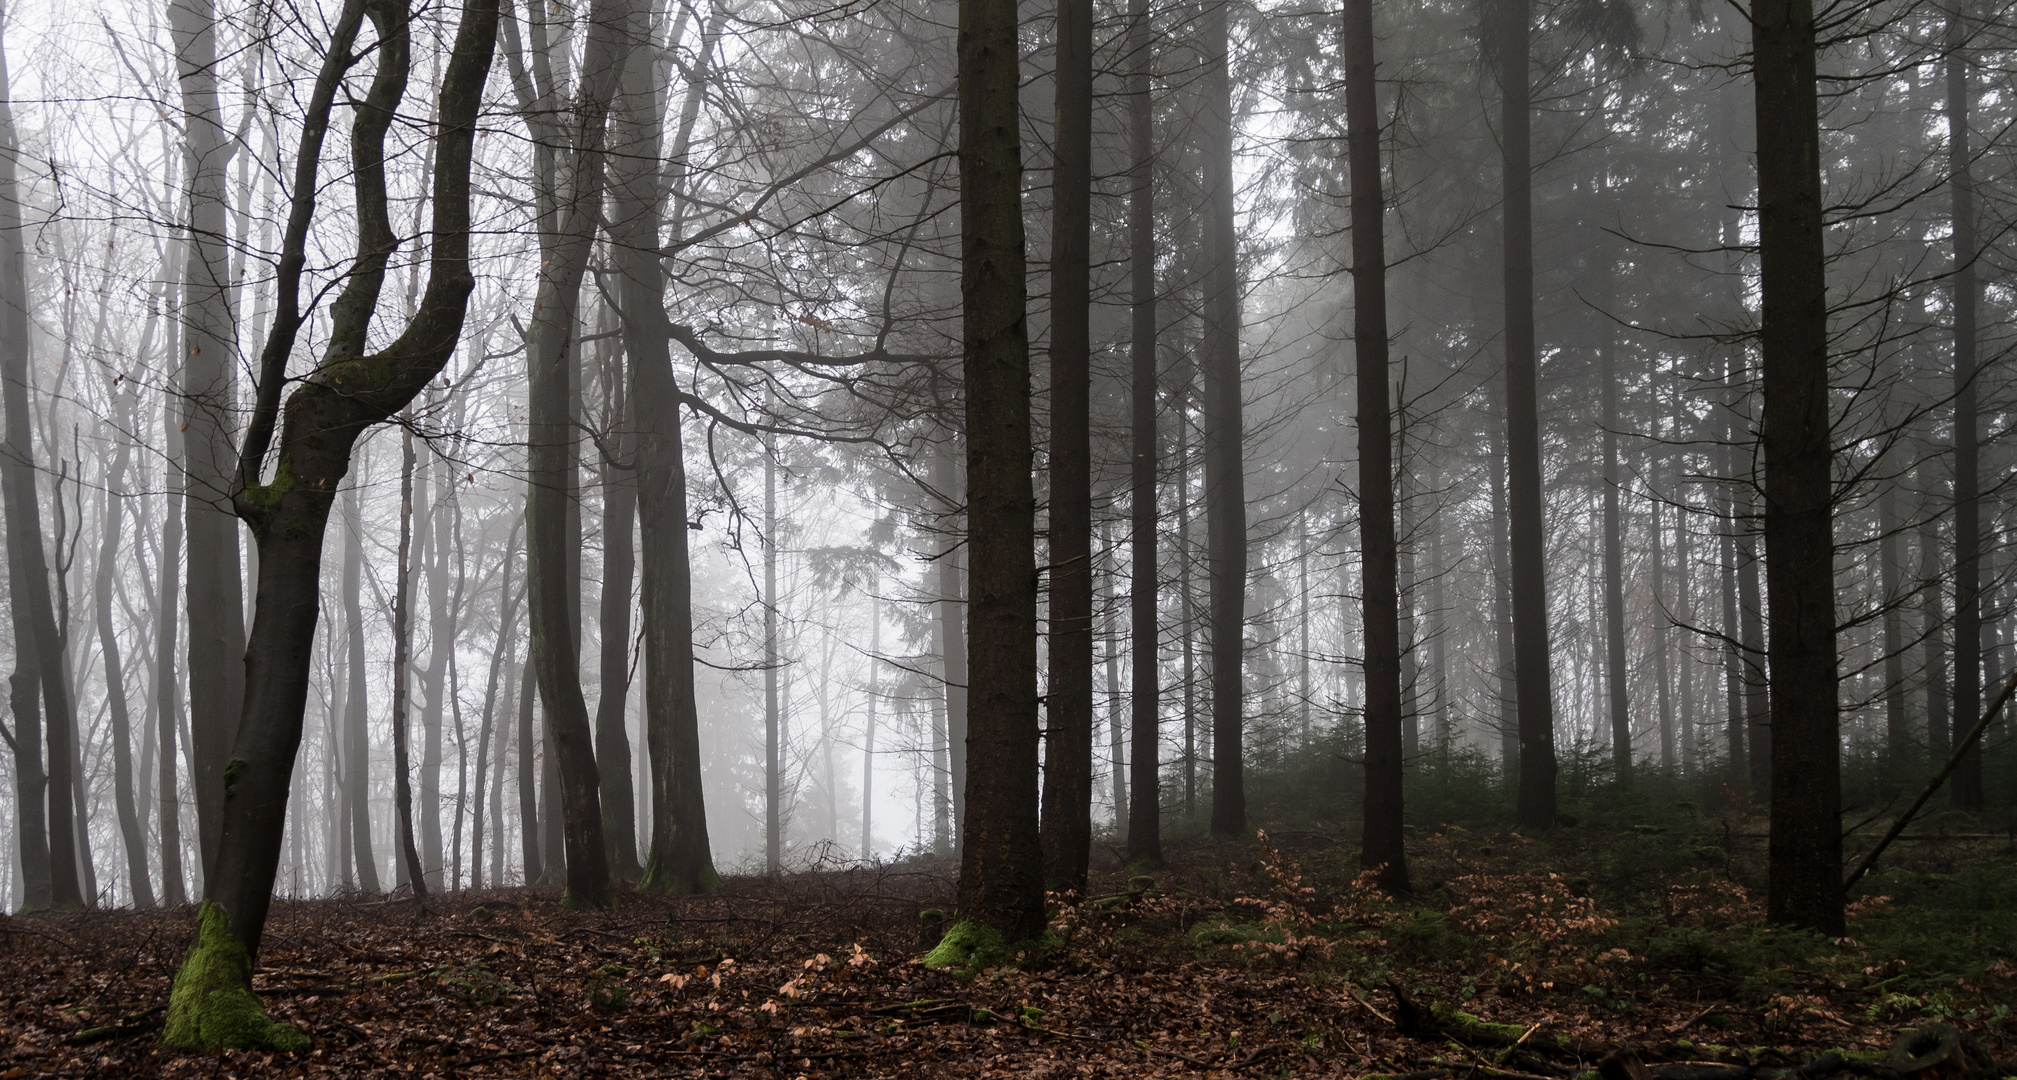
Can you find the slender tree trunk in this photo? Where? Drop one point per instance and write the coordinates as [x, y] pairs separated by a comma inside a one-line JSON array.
[[619, 562], [167, 681], [402, 676], [1966, 787], [1616, 673], [431, 545], [529, 835], [1525, 504], [868, 726], [1145, 840], [1116, 739], [1733, 653], [949, 628], [1225, 481], [1068, 698], [1001, 858], [1662, 683], [1381, 847], [215, 596], [773, 718], [1933, 620], [112, 521], [1508, 684], [502, 653], [357, 703], [1891, 573], [1805, 876]]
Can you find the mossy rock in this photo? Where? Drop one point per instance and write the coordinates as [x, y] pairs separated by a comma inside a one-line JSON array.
[[212, 1005]]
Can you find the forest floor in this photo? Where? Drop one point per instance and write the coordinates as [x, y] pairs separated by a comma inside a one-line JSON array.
[[1268, 958]]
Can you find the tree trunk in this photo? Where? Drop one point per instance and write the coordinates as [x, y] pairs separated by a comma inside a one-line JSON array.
[[613, 29], [1508, 684], [132, 836], [773, 716], [1001, 859], [357, 703], [1225, 481], [1805, 876], [1933, 619], [167, 684], [402, 675], [27, 566], [529, 836], [215, 599], [1381, 847], [323, 417], [1145, 840], [1525, 505], [430, 547], [868, 725], [1966, 788], [1891, 574], [619, 563], [950, 641], [502, 653], [1068, 698], [1616, 665]]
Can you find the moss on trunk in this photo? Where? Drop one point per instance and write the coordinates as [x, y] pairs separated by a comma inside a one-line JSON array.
[[212, 1005]]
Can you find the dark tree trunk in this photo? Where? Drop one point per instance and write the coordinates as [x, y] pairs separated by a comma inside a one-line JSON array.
[[1068, 698], [502, 653], [1502, 611], [1001, 859], [1525, 506], [949, 632], [1382, 848], [27, 566], [216, 591], [320, 421], [619, 564], [1966, 787], [527, 739], [1225, 480], [430, 550], [613, 30], [773, 714], [402, 676], [1933, 618], [132, 836], [679, 859], [1145, 840], [1805, 877], [1891, 574], [357, 702], [1662, 685], [1616, 665], [167, 685], [1733, 652]]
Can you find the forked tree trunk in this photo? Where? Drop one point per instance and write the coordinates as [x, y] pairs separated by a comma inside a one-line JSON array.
[[1068, 697], [1001, 860], [1805, 876], [1381, 847]]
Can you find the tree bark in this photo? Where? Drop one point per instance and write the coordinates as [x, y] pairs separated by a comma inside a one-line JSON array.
[[1933, 619], [773, 713], [502, 653], [1524, 502], [1145, 841], [529, 836], [1805, 875], [1068, 698], [167, 683], [1001, 860], [619, 566], [1382, 848], [1225, 480]]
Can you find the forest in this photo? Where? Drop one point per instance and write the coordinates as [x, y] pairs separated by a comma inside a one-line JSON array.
[[1466, 540]]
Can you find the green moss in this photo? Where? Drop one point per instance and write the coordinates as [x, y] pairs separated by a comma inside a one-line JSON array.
[[968, 945], [268, 496], [212, 1005], [657, 880]]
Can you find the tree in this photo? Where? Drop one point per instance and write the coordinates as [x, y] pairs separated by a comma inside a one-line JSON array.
[[1805, 875], [1967, 790], [318, 425], [1001, 863], [1382, 849], [1068, 698], [1144, 839], [1525, 506], [1224, 434]]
